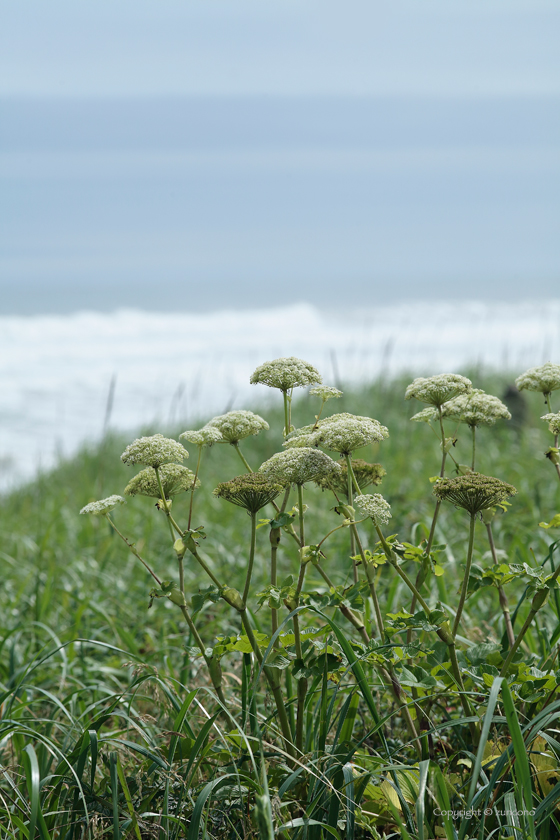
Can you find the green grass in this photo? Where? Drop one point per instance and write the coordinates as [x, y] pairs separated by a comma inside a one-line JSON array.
[[109, 725]]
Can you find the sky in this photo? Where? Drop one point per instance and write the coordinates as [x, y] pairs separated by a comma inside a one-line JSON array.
[[205, 154]]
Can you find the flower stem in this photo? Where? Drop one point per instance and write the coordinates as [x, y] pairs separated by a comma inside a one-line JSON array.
[[194, 486], [473, 430], [241, 455], [133, 549], [465, 586], [251, 557], [349, 475], [286, 414], [502, 595], [302, 682], [165, 505]]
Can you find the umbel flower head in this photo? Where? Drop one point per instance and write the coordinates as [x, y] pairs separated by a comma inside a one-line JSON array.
[[426, 415], [374, 506], [326, 392], [476, 409], [436, 390], [366, 475], [237, 425], [103, 506], [154, 451], [203, 437], [545, 379], [174, 479], [250, 491], [296, 466], [553, 422], [341, 433], [473, 492], [286, 373]]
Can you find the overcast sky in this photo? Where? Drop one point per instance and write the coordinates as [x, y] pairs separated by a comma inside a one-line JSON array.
[[206, 47]]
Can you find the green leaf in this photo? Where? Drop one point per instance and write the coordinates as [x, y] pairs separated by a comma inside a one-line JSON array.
[[554, 522]]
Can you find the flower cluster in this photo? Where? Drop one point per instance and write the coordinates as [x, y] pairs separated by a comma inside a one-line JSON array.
[[374, 506], [103, 506], [237, 425], [202, 437], [326, 392], [553, 422], [286, 373], [174, 479], [473, 492], [426, 415], [250, 491], [364, 473], [154, 451], [476, 409], [545, 379], [296, 466], [340, 433], [436, 390]]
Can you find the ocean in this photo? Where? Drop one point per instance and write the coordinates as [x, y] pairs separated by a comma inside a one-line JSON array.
[[65, 379]]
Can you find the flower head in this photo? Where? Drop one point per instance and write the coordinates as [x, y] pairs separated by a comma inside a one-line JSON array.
[[366, 475], [425, 416], [174, 479], [250, 491], [237, 425], [341, 433], [375, 506], [553, 422], [103, 506], [473, 492], [203, 437], [476, 409], [436, 390], [286, 373], [154, 451], [545, 379], [296, 466], [326, 392]]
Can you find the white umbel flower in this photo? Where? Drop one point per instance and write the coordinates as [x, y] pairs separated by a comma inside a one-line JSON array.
[[103, 506], [375, 506], [476, 409], [545, 379], [553, 422], [340, 433], [203, 437], [425, 416], [326, 392], [154, 451], [238, 425], [174, 479], [436, 390], [296, 466], [286, 373]]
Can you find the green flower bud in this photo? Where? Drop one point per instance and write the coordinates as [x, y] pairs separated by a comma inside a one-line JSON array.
[[177, 597], [553, 455], [180, 548], [539, 599], [233, 598]]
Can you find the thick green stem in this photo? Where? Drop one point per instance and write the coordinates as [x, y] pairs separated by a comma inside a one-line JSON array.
[[349, 474], [165, 504], [274, 684], [502, 595], [351, 616], [274, 543], [286, 413], [465, 586], [212, 664], [251, 557], [194, 485], [206, 568], [302, 682], [473, 430]]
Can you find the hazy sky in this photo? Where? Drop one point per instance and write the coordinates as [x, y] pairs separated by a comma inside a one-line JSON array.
[[174, 47], [217, 148]]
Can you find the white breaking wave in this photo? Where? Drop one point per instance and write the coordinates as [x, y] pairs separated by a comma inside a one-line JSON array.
[[56, 371]]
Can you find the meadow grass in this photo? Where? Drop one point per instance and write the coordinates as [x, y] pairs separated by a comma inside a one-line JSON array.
[[110, 725]]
